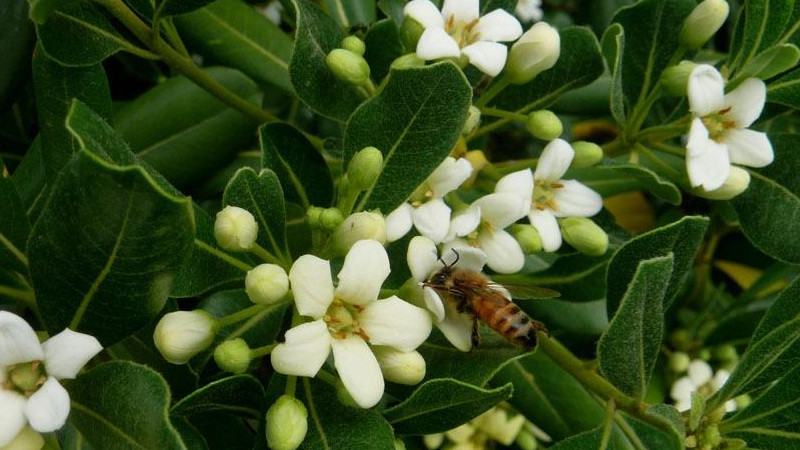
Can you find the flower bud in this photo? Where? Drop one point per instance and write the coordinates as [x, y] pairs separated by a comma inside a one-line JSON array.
[[410, 32], [587, 154], [287, 423], [477, 159], [726, 352], [348, 66], [235, 229], [705, 19], [355, 45], [675, 79], [180, 335], [526, 441], [27, 439], [735, 184], [473, 119], [313, 216], [364, 168], [400, 367], [679, 362], [266, 284], [584, 235], [544, 125], [743, 401], [408, 61], [233, 355], [330, 218], [362, 225], [536, 51], [528, 237], [433, 441], [399, 444]]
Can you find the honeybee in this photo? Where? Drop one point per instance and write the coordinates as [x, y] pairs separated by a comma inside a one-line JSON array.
[[475, 294]]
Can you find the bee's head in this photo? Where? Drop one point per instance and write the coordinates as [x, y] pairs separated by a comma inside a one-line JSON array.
[[441, 278]]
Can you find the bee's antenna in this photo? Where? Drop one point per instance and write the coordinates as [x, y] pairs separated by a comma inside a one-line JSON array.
[[457, 257]]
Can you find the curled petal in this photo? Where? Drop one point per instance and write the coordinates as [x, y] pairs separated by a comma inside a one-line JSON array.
[[432, 219], [449, 176], [554, 161], [366, 266], [18, 341], [399, 222], [434, 303], [47, 409], [435, 43], [424, 12], [503, 253], [547, 226], [706, 90], [749, 148], [498, 26], [305, 350], [461, 10], [12, 415], [746, 102], [464, 223], [359, 370], [422, 257], [460, 254], [488, 57], [502, 209], [395, 323], [312, 285], [576, 200], [519, 182], [67, 352]]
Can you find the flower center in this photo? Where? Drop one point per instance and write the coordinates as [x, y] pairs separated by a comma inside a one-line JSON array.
[[461, 31], [544, 194], [25, 378], [716, 123], [342, 318]]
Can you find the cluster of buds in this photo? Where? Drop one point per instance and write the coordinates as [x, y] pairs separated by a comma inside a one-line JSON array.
[[347, 63]]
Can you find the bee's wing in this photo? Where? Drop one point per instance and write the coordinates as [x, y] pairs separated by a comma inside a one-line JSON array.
[[525, 291]]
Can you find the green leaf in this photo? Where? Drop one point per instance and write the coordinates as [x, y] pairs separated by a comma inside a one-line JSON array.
[[681, 238], [302, 170], [225, 431], [234, 34], [17, 40], [333, 425], [580, 63], [772, 201], [383, 47], [14, 226], [122, 405], [348, 13], [443, 404], [415, 122], [106, 248], [759, 25], [190, 435], [393, 10], [29, 179], [614, 178], [316, 35], [261, 194], [241, 395], [785, 90], [785, 308], [183, 131], [653, 437], [577, 277], [167, 8], [778, 407], [772, 61], [599, 439], [613, 50], [627, 351]]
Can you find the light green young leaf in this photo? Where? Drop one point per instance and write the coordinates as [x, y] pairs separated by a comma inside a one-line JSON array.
[[240, 395], [772, 61]]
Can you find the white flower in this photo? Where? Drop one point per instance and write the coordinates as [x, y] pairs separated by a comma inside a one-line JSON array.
[[429, 214], [719, 135], [529, 10], [348, 317], [699, 378], [458, 30], [29, 372], [549, 196]]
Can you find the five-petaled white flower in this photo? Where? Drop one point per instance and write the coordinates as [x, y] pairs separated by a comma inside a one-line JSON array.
[[719, 135], [549, 196], [29, 373], [699, 378], [458, 29], [429, 213], [348, 317]]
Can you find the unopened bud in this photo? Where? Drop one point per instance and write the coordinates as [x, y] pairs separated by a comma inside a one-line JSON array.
[[399, 444], [410, 32], [528, 238], [180, 335], [286, 423], [266, 284], [348, 66], [711, 436], [473, 119], [705, 19], [364, 168], [27, 439], [679, 362], [477, 159], [233, 355], [408, 61], [313, 216], [704, 354], [726, 352], [675, 79], [433, 441], [355, 45], [330, 218], [584, 235], [743, 401], [526, 441], [359, 226], [587, 154], [544, 125], [736, 183], [400, 367], [536, 51], [680, 338], [235, 229]]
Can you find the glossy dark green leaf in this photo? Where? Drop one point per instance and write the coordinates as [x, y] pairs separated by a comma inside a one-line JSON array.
[[106, 248], [383, 46], [233, 33], [597, 439], [614, 178], [167, 8], [771, 62], [183, 131], [348, 13], [17, 40], [580, 63], [759, 25], [773, 200], [30, 179], [14, 226], [785, 308], [443, 404], [302, 170], [190, 435], [785, 90], [238, 394], [778, 407], [393, 9], [122, 405], [415, 122], [627, 351], [681, 238], [653, 437], [225, 431], [317, 34]]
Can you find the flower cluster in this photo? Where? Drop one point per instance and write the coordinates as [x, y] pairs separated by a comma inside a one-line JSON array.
[[498, 425]]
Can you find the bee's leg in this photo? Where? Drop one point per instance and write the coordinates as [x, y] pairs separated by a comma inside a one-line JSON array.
[[476, 334], [539, 326]]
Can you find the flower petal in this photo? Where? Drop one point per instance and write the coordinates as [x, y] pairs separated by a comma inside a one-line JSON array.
[[359, 370], [18, 341], [432, 219], [697, 140], [312, 285], [488, 57], [435, 43], [576, 200], [47, 409], [547, 226], [706, 90], [398, 222], [700, 372], [434, 303], [66, 353], [749, 148], [519, 182], [424, 12], [396, 323], [502, 209], [682, 389], [457, 328], [746, 102], [554, 161], [12, 417], [707, 162], [366, 267], [498, 26], [422, 257], [449, 176], [503, 253], [461, 10], [464, 222], [460, 254], [304, 351]]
